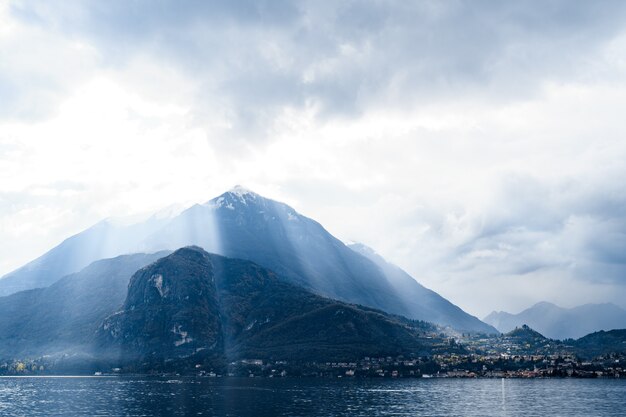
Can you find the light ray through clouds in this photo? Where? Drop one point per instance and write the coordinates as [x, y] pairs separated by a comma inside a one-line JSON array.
[[478, 145]]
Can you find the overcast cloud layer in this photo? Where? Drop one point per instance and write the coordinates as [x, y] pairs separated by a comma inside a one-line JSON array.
[[479, 145]]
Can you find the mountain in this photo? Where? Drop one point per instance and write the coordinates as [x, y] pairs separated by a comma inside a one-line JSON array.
[[601, 343], [242, 224], [562, 323], [64, 316], [195, 304]]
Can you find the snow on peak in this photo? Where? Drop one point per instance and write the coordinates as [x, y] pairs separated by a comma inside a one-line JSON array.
[[237, 194], [242, 193]]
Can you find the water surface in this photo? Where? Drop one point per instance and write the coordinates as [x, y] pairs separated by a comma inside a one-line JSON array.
[[242, 397]]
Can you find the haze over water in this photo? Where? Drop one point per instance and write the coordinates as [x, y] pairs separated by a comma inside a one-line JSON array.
[[137, 396]]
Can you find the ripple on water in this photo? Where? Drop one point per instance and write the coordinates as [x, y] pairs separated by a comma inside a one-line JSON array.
[[310, 397]]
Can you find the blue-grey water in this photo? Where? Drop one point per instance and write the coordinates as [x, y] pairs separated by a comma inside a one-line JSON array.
[[240, 397]]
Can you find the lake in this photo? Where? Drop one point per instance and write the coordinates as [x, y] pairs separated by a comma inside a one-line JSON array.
[[241, 397]]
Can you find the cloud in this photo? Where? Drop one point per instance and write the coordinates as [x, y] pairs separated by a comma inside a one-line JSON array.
[[250, 61], [576, 224], [37, 68], [528, 237], [477, 144]]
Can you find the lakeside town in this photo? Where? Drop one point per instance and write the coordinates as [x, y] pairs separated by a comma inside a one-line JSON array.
[[439, 366], [522, 353]]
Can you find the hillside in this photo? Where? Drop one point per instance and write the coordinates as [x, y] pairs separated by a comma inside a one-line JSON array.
[[193, 304], [64, 316], [601, 343]]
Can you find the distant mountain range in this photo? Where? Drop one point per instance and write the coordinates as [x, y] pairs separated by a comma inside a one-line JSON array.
[[242, 224], [562, 323]]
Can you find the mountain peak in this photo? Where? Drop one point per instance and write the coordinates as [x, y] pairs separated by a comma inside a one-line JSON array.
[[236, 195], [191, 250], [524, 332], [242, 192]]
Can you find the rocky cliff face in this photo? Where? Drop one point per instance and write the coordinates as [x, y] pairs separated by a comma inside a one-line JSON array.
[[171, 309]]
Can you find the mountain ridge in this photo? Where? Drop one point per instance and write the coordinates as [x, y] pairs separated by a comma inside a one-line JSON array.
[[428, 302]]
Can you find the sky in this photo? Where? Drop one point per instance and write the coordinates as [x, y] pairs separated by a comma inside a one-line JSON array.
[[479, 145]]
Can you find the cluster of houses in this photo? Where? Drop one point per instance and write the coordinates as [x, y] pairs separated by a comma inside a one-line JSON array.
[[441, 366]]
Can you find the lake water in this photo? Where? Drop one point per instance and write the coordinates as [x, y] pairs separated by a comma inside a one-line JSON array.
[[240, 397]]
